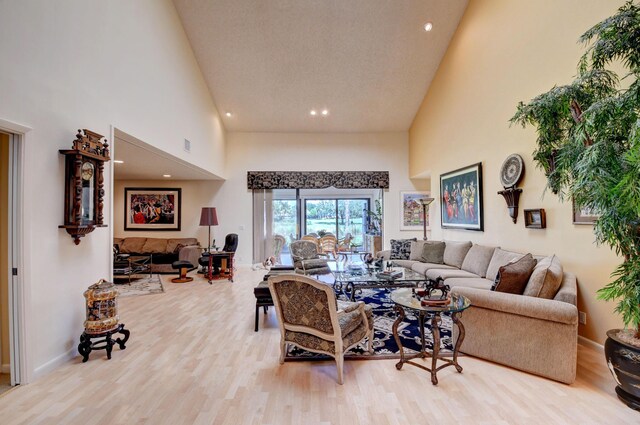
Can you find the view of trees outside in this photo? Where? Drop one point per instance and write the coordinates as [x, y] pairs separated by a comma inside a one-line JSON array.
[[321, 216], [284, 218]]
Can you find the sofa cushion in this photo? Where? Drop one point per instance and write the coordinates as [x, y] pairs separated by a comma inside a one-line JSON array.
[[448, 273], [469, 282], [500, 258], [155, 246], [401, 248], [132, 245], [545, 279], [423, 267], [433, 252], [454, 252], [173, 243], [416, 250], [513, 277], [405, 263], [477, 259]]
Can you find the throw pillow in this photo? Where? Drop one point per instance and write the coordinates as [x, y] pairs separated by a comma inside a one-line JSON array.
[[545, 279], [454, 253], [477, 259], [499, 259], [416, 250], [433, 252], [513, 277], [401, 248], [178, 248]]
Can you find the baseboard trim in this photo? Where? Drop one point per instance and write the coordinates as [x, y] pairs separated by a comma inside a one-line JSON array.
[[5, 368], [589, 343], [54, 364]]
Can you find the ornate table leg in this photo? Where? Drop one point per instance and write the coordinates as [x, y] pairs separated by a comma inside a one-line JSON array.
[[121, 342], [399, 319], [84, 348], [435, 330], [351, 290], [421, 320], [456, 348], [108, 345]]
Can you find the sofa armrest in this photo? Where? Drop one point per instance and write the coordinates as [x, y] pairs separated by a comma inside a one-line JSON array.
[[190, 253], [385, 255], [537, 308]]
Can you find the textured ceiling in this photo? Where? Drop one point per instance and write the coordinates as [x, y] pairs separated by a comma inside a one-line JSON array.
[[369, 62]]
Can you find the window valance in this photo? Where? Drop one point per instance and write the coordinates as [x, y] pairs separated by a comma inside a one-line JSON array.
[[317, 179]]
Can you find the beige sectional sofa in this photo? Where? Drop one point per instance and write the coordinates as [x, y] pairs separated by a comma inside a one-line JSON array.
[[535, 332], [164, 251]]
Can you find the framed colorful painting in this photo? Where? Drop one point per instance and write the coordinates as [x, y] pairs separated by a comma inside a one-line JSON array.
[[148, 208], [411, 210], [461, 198]]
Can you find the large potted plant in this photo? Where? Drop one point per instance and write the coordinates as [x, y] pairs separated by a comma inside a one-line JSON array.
[[589, 148]]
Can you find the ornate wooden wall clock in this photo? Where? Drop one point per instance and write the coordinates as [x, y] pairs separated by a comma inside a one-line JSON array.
[[84, 184]]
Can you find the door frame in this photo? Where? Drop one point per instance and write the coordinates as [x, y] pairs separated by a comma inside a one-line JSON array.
[[19, 284]]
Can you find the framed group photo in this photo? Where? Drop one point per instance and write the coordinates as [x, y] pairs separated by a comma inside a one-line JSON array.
[[461, 198], [152, 208], [411, 210]]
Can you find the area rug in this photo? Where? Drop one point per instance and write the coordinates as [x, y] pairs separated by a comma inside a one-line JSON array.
[[140, 285], [384, 344]]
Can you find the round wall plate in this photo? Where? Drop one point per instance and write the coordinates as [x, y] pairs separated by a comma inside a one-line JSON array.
[[512, 170]]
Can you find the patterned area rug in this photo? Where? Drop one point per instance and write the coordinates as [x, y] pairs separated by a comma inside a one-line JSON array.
[[140, 285], [384, 344]]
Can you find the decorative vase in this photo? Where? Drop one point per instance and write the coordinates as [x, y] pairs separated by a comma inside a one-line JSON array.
[[102, 308], [623, 360]]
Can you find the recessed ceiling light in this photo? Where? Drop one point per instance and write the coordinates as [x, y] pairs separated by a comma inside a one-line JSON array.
[[325, 112], [117, 161], [313, 112], [228, 114], [428, 26], [166, 175]]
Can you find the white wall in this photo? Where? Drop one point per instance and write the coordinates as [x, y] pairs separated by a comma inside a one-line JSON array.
[[73, 64], [195, 195], [311, 152]]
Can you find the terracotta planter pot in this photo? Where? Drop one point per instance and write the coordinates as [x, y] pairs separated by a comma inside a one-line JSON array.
[[624, 362]]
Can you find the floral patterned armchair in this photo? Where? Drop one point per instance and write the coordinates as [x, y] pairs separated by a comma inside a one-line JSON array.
[[306, 259], [310, 317]]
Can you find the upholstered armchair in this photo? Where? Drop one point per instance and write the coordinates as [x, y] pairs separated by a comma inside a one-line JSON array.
[[307, 260], [310, 318]]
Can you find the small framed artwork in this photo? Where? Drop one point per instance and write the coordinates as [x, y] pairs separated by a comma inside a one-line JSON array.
[[148, 208], [535, 219], [584, 215], [411, 210], [461, 198]]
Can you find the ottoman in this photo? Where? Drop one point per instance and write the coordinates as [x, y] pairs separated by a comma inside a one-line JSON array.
[[184, 267]]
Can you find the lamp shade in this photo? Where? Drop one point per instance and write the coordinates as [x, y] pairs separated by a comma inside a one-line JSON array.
[[426, 201], [208, 217]]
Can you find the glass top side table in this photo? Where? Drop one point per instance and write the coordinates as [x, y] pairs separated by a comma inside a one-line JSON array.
[[405, 299]]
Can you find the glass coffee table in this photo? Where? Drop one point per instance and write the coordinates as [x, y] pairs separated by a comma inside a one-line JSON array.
[[349, 279], [405, 299]]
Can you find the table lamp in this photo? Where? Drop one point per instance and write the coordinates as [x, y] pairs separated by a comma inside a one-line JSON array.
[[208, 217], [425, 205]]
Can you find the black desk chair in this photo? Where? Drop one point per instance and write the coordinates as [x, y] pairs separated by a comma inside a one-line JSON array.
[[230, 245]]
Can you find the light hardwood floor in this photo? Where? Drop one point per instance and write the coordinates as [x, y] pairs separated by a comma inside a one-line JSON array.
[[193, 358]]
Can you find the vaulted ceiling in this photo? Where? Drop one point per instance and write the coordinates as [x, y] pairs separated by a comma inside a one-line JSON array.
[[369, 63]]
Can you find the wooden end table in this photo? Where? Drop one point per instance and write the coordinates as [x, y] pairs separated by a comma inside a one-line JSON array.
[[405, 299]]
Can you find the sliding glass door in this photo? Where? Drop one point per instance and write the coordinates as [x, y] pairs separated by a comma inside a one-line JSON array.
[[281, 216], [340, 216]]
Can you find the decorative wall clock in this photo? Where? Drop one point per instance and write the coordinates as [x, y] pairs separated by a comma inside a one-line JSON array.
[[84, 184]]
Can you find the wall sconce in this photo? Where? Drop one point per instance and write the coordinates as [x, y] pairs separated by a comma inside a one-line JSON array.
[[425, 205], [511, 173]]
